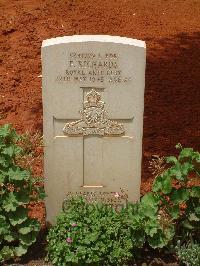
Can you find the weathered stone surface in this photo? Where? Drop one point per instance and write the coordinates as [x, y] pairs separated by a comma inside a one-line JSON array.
[[93, 97]]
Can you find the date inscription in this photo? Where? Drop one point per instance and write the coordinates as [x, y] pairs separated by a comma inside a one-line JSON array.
[[93, 67]]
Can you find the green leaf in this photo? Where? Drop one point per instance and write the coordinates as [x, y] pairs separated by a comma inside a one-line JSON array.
[[10, 203], [40, 193], [28, 226], [197, 157], [21, 250], [157, 184], [25, 230], [22, 196], [193, 217], [10, 150], [19, 216], [28, 239], [2, 178], [4, 162], [187, 224], [9, 237], [180, 195], [2, 218], [185, 153], [166, 185], [163, 182], [197, 210], [174, 211], [151, 231], [171, 159], [186, 168], [150, 199], [4, 226], [5, 130], [16, 173], [158, 240], [195, 192], [7, 253], [176, 172]]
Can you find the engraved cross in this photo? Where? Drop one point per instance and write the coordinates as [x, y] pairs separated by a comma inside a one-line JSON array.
[[93, 125]]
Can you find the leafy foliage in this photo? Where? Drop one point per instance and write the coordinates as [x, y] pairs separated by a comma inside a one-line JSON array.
[[91, 234], [171, 211], [179, 201], [17, 189], [189, 254]]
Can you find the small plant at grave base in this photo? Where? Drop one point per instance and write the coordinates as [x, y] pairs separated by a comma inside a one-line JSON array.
[[172, 208], [91, 234], [17, 189], [88, 233], [189, 254]]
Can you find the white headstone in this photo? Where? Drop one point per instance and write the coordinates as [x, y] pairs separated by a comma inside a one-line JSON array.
[[93, 99]]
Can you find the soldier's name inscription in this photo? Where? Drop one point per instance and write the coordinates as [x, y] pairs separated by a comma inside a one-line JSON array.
[[93, 67]]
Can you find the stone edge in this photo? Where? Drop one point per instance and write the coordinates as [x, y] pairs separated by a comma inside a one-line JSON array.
[[93, 38]]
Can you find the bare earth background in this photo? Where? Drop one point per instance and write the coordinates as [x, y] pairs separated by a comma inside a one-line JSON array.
[[171, 30]]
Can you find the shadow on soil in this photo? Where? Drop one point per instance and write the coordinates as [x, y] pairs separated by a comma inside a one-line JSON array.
[[172, 95]]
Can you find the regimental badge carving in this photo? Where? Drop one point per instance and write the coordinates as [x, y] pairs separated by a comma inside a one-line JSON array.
[[94, 119]]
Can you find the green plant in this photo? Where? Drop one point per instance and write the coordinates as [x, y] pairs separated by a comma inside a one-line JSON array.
[[189, 254], [17, 189], [158, 228], [91, 234], [172, 208]]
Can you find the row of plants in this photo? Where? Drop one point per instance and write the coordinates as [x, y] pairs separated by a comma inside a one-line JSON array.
[[167, 218]]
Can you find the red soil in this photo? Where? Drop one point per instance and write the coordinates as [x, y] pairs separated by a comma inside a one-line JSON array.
[[171, 30]]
